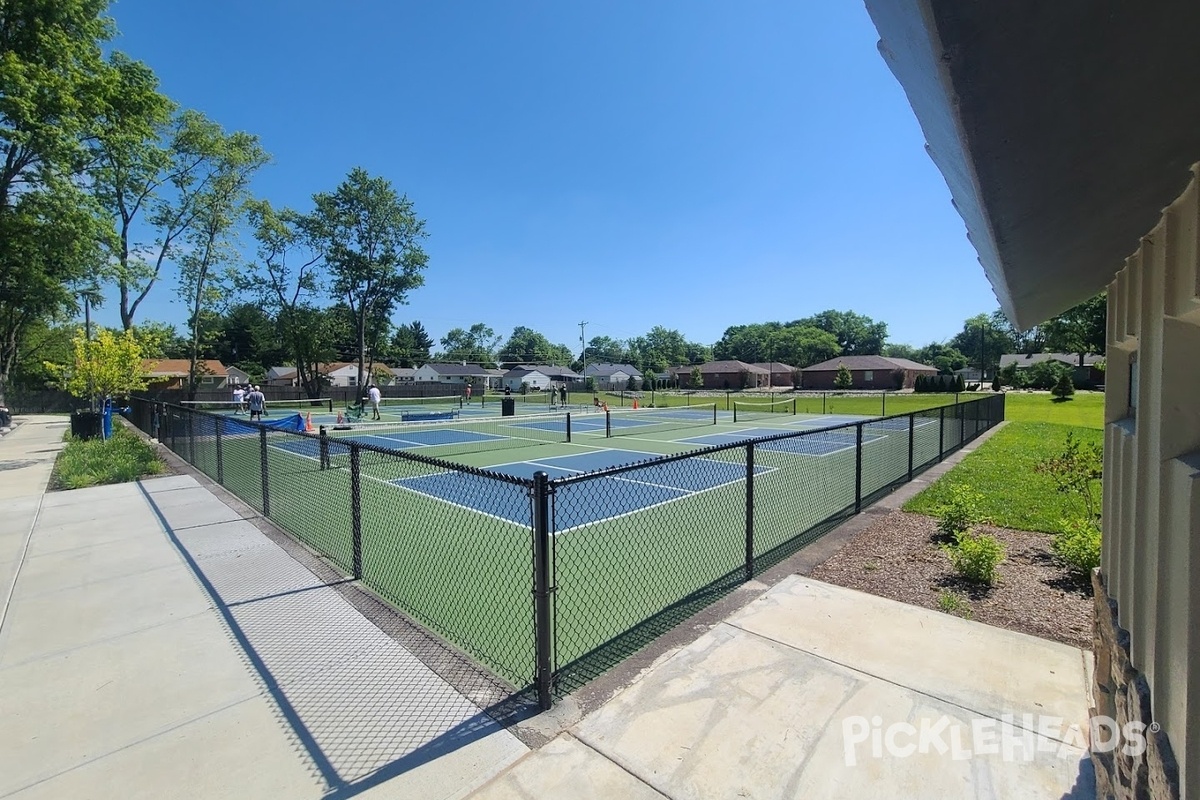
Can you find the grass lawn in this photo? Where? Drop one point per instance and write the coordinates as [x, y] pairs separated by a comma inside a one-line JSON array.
[[1002, 470], [1086, 410]]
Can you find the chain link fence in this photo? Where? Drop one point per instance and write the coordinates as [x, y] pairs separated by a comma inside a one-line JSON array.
[[546, 581]]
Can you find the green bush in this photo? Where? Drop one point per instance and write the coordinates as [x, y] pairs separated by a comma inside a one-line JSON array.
[[1064, 388], [1077, 546], [996, 386], [961, 512], [92, 462], [1046, 374], [843, 379], [976, 556]]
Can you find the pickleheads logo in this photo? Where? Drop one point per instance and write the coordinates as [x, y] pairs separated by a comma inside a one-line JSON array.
[[1010, 737]]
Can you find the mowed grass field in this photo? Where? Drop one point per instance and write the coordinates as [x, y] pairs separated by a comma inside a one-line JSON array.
[[1003, 469], [466, 574]]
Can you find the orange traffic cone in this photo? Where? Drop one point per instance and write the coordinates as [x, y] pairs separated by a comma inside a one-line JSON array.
[[308, 426], [635, 405]]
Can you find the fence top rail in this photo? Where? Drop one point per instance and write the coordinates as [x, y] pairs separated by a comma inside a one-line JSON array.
[[452, 466], [655, 460]]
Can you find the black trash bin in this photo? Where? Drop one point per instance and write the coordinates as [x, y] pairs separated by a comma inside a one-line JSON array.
[[5, 418], [508, 406], [86, 424]]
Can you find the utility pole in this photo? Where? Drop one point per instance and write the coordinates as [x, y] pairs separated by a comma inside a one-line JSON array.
[[981, 351], [582, 347]]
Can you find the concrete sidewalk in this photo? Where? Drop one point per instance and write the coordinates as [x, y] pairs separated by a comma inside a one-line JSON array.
[[761, 705], [158, 644]]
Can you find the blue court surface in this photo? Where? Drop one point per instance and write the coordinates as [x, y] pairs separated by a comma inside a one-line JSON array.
[[589, 501], [813, 444]]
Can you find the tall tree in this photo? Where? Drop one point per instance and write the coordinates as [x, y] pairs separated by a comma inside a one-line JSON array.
[[605, 350], [857, 334], [371, 241], [801, 346], [52, 83], [1081, 330], [284, 278], [206, 266], [981, 338], [476, 345], [527, 346], [411, 344]]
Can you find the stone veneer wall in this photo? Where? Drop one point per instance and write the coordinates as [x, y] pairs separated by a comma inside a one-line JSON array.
[[1121, 693]]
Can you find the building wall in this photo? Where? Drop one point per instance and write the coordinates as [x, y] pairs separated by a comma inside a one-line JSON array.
[[731, 380], [1149, 579], [879, 379]]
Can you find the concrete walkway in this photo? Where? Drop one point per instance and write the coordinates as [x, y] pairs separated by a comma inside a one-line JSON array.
[[794, 696], [157, 644]]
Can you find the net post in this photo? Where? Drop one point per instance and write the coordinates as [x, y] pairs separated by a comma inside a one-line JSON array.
[[323, 447], [735, 412], [266, 485], [607, 424], [714, 413], [331, 405], [941, 432], [727, 396], [962, 424], [822, 402], [749, 511], [356, 509], [793, 406], [912, 429], [541, 589], [219, 425], [858, 444], [568, 427]]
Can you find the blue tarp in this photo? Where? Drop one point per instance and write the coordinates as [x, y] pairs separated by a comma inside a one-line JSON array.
[[234, 426]]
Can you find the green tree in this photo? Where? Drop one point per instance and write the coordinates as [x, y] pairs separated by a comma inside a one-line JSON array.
[[370, 238], [1063, 389], [856, 334], [53, 83], [982, 337], [902, 351], [207, 266], [476, 345], [527, 346], [1046, 374], [843, 379], [801, 346], [160, 340], [605, 350], [411, 344], [248, 338], [109, 365], [697, 378], [946, 358], [1081, 330], [284, 278]]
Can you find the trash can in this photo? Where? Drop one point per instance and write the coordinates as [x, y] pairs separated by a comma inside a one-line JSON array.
[[86, 424], [508, 406], [5, 418]]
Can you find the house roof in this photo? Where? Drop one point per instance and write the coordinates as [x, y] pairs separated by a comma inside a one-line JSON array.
[[869, 363], [775, 366], [180, 367], [602, 370], [520, 372], [728, 366], [402, 372], [281, 372], [550, 370], [1028, 360], [461, 369], [1061, 142]]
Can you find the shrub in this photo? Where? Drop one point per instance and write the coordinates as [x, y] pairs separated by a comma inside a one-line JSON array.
[[959, 384], [996, 383], [1046, 374], [897, 379], [843, 379], [976, 556], [1077, 546], [121, 458], [1064, 388], [953, 603], [1077, 471], [961, 512]]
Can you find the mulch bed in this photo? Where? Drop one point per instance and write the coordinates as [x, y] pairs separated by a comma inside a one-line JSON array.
[[897, 557]]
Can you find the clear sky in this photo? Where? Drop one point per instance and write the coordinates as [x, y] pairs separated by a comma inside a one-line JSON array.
[[689, 163]]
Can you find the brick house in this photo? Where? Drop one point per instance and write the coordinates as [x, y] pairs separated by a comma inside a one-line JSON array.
[[866, 372], [725, 375], [781, 374]]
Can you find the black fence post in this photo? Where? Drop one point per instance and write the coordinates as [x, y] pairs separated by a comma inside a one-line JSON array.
[[266, 486], [541, 588], [323, 448], [219, 426], [356, 508], [883, 410], [749, 511], [858, 467], [568, 426], [962, 424], [941, 433], [191, 425], [912, 429], [607, 424]]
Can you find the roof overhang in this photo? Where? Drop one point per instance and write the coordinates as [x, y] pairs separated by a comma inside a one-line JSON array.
[[1062, 129]]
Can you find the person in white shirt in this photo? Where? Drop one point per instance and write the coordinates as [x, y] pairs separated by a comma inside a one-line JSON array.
[[239, 398], [375, 396]]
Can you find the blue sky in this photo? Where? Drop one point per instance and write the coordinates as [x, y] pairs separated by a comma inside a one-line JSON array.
[[690, 164]]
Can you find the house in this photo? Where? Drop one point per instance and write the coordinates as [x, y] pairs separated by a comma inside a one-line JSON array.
[[1070, 144], [236, 376], [527, 376], [282, 376], [724, 375], [781, 374], [402, 375], [172, 373], [1088, 374], [866, 372], [613, 376], [343, 373], [461, 374]]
